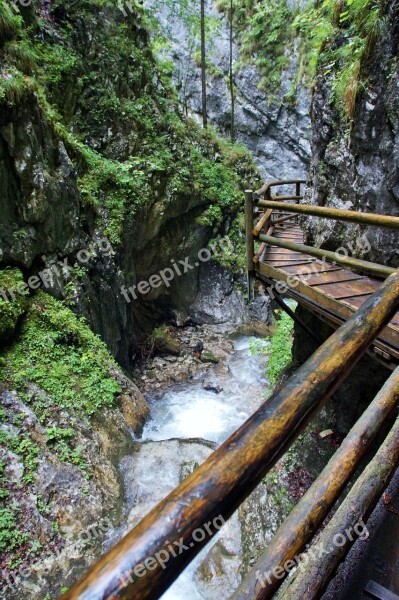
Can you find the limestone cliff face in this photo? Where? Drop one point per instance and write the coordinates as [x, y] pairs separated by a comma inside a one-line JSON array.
[[357, 167], [112, 158], [278, 135]]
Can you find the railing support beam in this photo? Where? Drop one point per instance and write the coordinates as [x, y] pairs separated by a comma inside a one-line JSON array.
[[357, 506], [309, 513], [334, 257]]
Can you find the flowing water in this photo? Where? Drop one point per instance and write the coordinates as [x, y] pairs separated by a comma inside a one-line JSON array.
[[189, 411], [186, 424]]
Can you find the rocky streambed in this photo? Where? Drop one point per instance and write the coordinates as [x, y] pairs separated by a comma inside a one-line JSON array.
[[214, 394]]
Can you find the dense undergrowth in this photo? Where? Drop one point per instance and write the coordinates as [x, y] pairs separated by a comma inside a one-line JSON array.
[[57, 367], [121, 123], [331, 37]]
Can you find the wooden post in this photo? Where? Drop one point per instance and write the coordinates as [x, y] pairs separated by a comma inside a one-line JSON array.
[[249, 223]]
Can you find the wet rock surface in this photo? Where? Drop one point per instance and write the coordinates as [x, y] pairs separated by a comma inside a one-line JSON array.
[[188, 421], [278, 135], [355, 167]]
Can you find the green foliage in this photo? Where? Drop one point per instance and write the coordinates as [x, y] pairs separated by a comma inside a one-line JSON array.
[[264, 33], [58, 353], [10, 536], [10, 310], [232, 254], [335, 38], [213, 215], [10, 23], [280, 347], [25, 448]]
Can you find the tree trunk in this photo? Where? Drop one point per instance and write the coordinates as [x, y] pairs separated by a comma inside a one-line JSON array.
[[232, 93], [203, 65]]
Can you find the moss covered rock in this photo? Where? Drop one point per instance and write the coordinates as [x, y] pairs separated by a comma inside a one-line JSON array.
[[12, 302], [164, 342]]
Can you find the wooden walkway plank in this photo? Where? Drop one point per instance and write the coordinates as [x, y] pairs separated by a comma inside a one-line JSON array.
[[328, 286]]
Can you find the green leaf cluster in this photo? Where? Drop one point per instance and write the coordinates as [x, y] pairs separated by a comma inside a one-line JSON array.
[[10, 310]]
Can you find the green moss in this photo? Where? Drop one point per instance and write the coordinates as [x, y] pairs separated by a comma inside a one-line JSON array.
[[57, 352], [232, 254], [335, 38], [280, 350], [10, 23], [70, 368], [169, 155], [12, 309]]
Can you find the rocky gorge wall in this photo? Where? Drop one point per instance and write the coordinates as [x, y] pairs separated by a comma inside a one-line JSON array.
[[276, 132], [355, 164], [111, 158], [103, 183]]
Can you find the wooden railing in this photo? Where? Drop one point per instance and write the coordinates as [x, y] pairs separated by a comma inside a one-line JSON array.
[[277, 205], [228, 476], [267, 222]]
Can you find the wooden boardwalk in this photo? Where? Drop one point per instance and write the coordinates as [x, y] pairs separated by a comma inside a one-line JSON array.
[[328, 290]]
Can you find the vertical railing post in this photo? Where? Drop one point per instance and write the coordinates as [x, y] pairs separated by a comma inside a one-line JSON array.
[[249, 225], [298, 193]]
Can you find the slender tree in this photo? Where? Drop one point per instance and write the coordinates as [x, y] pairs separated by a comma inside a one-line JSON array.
[[232, 90], [203, 66]]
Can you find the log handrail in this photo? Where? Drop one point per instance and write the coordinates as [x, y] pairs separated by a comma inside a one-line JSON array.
[[278, 183], [228, 476], [347, 261], [314, 506], [337, 214]]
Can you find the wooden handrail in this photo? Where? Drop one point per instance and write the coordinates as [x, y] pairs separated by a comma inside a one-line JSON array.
[[308, 583], [269, 184], [347, 261], [228, 476], [337, 214], [314, 506], [263, 222]]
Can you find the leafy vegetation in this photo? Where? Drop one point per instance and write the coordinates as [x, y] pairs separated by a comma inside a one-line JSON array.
[[280, 347], [333, 36], [57, 352], [12, 303], [55, 364]]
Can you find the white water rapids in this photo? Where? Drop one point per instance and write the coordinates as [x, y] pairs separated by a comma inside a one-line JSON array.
[[185, 425]]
